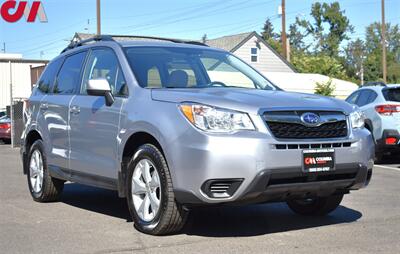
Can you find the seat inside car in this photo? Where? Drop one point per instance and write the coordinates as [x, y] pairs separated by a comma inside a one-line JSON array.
[[178, 78]]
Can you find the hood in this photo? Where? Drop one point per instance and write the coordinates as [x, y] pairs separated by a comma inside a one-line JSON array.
[[253, 101]]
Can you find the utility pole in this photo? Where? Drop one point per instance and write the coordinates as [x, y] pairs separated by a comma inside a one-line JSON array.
[[284, 39], [4, 47], [11, 105], [98, 17], [383, 42]]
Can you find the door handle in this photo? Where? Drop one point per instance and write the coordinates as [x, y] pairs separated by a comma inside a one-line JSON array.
[[75, 110], [44, 106]]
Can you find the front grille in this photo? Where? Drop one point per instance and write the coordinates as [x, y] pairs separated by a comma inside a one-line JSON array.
[[311, 146], [299, 131]]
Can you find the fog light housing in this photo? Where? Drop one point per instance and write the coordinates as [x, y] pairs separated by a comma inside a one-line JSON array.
[[221, 188]]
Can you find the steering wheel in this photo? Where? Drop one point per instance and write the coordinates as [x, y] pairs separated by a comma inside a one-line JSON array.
[[216, 83]]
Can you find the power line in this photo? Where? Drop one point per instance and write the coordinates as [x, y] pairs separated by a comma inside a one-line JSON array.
[[41, 36], [230, 8]]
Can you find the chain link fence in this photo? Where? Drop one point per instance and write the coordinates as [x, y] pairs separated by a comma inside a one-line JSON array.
[[16, 113]]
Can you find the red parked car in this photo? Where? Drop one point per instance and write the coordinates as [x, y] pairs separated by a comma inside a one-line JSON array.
[[5, 129]]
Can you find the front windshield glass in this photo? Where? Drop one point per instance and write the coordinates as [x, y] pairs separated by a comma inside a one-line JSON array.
[[170, 67]]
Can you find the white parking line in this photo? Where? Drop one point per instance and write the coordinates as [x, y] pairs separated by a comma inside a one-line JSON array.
[[398, 169]]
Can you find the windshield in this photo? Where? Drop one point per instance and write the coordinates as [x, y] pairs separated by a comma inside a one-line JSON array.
[[392, 94], [168, 67]]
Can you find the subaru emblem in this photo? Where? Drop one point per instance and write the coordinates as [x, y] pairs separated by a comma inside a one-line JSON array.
[[310, 119]]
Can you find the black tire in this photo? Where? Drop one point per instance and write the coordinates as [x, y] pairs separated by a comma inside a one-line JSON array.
[[171, 216], [51, 187], [316, 206]]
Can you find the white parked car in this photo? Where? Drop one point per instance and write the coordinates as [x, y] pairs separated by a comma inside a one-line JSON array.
[[381, 105]]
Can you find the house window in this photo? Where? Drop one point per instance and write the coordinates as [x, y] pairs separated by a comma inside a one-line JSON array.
[[254, 54]]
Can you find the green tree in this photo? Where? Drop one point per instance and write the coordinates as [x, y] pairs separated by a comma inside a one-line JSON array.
[[325, 88], [296, 38], [272, 38], [319, 63], [268, 30], [324, 16], [373, 63], [354, 58]]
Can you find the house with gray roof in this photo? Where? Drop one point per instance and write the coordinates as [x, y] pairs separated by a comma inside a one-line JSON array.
[[254, 50]]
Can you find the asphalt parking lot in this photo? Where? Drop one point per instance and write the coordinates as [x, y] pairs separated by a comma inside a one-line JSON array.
[[91, 220]]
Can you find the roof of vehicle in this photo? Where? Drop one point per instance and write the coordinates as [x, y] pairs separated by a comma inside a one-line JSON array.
[[378, 86], [131, 40]]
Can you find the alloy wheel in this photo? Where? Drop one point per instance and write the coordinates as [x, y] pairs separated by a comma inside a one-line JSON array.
[[146, 190]]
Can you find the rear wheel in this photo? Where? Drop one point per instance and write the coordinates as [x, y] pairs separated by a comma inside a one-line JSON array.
[[315, 206], [150, 196], [42, 186]]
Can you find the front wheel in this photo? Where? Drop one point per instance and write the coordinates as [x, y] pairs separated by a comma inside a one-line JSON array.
[[150, 196], [315, 206]]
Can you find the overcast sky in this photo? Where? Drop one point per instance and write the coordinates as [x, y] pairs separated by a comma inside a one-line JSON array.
[[172, 18]]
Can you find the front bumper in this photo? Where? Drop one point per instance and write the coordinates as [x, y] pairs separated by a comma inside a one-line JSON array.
[[266, 173]]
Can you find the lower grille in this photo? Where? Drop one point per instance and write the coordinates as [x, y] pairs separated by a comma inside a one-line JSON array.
[[299, 131], [312, 178]]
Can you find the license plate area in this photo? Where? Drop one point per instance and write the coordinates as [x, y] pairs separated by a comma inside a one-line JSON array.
[[318, 160]]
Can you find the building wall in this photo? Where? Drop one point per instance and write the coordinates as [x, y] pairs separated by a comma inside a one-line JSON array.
[[268, 61], [21, 80]]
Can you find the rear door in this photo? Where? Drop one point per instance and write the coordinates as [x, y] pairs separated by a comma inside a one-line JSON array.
[[95, 126], [35, 111], [55, 110]]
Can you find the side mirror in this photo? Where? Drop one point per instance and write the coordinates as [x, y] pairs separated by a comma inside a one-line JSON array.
[[100, 87]]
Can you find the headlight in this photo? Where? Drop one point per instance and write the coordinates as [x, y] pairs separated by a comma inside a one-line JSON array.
[[357, 119], [214, 119]]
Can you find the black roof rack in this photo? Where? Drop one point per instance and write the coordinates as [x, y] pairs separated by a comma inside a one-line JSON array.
[[83, 42], [111, 38], [374, 83], [161, 39]]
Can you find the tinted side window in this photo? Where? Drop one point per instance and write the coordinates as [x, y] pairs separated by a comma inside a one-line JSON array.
[[68, 78], [372, 97], [363, 100], [47, 79], [103, 63], [353, 98]]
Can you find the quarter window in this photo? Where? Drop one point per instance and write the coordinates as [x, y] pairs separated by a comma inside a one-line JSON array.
[[353, 98], [103, 64], [364, 98], [67, 81], [46, 81], [254, 54]]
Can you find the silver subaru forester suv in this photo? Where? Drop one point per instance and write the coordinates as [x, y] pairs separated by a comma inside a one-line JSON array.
[[172, 125]]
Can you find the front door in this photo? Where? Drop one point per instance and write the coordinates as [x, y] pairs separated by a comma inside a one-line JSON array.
[[95, 126]]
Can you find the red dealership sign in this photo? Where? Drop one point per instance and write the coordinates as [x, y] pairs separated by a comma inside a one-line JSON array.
[[12, 11]]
